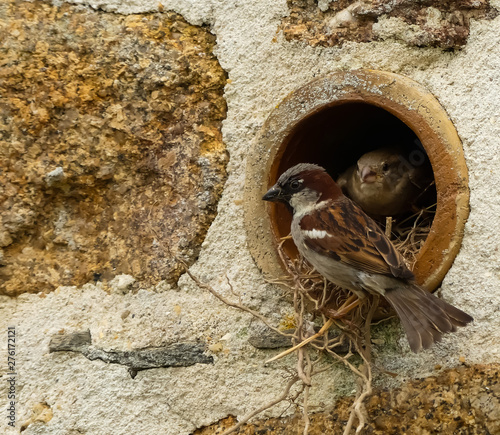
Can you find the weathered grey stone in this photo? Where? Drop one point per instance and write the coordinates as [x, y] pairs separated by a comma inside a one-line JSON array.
[[265, 338], [74, 342], [174, 355]]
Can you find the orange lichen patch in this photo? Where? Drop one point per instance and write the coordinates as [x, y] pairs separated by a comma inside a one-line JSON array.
[[287, 322], [110, 138], [41, 412]]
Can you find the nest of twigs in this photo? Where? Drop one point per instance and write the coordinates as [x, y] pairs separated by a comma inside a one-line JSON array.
[[408, 234], [313, 294]]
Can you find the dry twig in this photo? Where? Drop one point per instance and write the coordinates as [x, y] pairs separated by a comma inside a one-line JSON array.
[[279, 399], [228, 302]]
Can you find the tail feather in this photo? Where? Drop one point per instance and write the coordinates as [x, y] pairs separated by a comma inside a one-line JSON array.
[[418, 332], [424, 317]]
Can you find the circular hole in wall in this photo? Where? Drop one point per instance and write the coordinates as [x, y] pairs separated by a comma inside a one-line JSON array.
[[332, 121], [335, 138]]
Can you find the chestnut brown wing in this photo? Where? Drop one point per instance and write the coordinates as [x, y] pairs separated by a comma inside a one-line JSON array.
[[353, 238]]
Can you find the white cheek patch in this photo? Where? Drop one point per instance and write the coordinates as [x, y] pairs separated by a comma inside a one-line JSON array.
[[316, 234]]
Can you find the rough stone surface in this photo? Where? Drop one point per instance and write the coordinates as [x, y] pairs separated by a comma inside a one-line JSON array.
[[112, 156], [465, 400], [177, 400], [428, 23], [74, 342], [41, 412], [265, 338]]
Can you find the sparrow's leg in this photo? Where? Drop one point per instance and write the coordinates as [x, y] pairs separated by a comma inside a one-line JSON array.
[[388, 227]]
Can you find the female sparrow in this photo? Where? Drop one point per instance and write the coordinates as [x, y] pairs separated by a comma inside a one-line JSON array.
[[387, 181]]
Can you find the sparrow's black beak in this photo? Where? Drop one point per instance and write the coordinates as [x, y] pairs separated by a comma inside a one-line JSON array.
[[273, 194]]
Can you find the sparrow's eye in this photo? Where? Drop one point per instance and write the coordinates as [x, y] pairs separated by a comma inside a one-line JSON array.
[[385, 167], [295, 184]]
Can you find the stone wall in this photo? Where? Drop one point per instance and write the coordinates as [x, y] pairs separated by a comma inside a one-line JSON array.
[[125, 129]]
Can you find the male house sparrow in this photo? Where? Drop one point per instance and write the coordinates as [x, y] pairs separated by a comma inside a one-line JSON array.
[[385, 182], [349, 249]]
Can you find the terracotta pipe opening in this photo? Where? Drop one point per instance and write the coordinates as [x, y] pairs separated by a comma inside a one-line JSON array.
[[335, 138], [332, 121]]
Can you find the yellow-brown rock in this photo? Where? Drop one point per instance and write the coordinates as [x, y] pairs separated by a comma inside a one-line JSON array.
[[112, 156], [464, 400]]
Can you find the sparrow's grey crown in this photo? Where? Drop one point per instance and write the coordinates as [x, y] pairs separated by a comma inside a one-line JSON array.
[[297, 169]]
